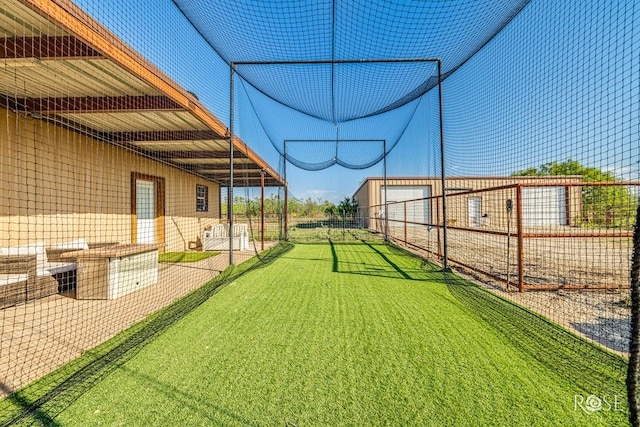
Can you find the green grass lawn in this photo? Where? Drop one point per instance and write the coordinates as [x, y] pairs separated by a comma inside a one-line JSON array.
[[353, 333]]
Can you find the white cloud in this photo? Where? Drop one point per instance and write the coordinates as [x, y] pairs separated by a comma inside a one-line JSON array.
[[315, 194], [624, 173]]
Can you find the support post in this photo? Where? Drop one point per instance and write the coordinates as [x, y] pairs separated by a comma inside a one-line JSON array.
[[262, 210], [509, 206], [386, 207], [405, 221], [445, 267], [520, 239], [230, 201], [286, 195], [439, 241]]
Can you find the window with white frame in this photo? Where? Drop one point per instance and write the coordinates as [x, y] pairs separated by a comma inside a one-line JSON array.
[[202, 198]]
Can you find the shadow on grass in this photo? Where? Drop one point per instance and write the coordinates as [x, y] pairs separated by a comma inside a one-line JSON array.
[[41, 401], [386, 269], [388, 261], [335, 267]]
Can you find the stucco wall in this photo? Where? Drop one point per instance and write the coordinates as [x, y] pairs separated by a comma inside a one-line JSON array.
[[57, 185]]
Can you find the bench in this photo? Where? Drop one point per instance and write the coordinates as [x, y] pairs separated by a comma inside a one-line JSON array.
[[217, 238], [21, 281], [32, 271], [44, 266]]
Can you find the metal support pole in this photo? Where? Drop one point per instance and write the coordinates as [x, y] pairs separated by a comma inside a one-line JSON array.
[[230, 203], [332, 62], [262, 209], [445, 267], [286, 195], [386, 207], [520, 239], [405, 221], [509, 206], [439, 241]]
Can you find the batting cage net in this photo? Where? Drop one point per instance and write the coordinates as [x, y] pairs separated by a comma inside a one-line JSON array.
[[152, 153]]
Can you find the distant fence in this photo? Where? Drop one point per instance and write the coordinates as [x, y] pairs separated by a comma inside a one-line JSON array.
[[523, 236]]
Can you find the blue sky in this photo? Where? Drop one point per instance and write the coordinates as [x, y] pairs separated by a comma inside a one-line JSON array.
[[560, 81]]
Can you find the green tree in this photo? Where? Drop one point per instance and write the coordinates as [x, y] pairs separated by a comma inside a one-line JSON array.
[[611, 206], [329, 209], [348, 208], [252, 207], [312, 208], [273, 204], [239, 206], [295, 207]]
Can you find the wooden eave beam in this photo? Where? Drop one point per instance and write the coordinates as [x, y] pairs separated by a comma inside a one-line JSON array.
[[225, 177], [210, 154], [46, 48], [246, 182], [174, 135], [245, 173], [103, 104], [238, 167]]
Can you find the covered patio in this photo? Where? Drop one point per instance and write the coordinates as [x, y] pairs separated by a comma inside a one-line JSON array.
[[99, 119], [43, 335]]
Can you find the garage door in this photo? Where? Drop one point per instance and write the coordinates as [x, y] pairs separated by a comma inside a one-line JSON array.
[[419, 211], [544, 206]]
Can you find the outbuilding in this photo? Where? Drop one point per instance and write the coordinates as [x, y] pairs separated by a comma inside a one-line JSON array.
[[471, 201]]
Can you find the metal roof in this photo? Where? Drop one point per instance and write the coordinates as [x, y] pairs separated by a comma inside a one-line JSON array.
[[60, 65]]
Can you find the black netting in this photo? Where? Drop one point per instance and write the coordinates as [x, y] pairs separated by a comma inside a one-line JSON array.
[[149, 148], [340, 92], [313, 153], [343, 30]]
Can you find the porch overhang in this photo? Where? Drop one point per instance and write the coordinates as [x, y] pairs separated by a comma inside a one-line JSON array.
[[117, 96]]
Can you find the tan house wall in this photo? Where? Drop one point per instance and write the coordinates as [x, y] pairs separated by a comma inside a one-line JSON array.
[[57, 185], [493, 202]]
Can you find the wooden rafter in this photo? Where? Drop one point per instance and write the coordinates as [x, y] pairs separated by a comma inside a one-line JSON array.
[[46, 47], [180, 135], [99, 104], [210, 154], [239, 167], [246, 181], [239, 176]]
